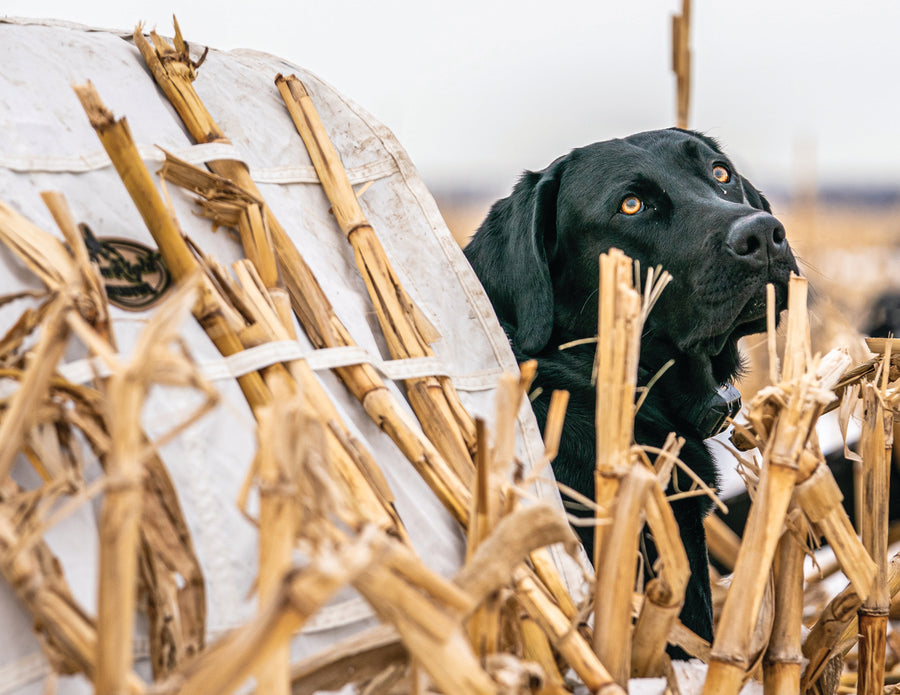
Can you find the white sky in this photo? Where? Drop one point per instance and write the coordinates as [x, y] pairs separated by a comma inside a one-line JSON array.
[[477, 90]]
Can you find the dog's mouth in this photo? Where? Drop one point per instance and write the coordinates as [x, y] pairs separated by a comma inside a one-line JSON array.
[[749, 319]]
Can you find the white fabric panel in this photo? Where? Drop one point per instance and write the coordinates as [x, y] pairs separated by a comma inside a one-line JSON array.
[[46, 143]]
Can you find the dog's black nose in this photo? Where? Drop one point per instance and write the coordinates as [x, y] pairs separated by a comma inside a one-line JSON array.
[[757, 239]]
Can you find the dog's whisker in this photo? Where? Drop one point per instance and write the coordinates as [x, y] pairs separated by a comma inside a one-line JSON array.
[[810, 268], [595, 293]]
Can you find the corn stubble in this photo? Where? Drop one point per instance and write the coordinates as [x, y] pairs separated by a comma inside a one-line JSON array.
[[506, 622]]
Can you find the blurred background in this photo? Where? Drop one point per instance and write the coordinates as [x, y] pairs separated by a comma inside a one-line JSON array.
[[803, 96]]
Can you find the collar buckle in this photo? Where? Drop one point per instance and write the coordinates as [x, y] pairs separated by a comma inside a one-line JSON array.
[[710, 417]]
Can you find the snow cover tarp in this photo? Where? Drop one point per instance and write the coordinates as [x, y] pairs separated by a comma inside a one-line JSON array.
[[46, 143]]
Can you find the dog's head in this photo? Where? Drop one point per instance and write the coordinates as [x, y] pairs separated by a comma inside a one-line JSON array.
[[669, 198]]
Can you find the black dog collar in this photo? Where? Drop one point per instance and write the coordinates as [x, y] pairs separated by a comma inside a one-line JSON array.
[[710, 417]]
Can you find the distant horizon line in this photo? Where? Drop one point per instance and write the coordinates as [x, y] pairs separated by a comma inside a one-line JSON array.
[[881, 195]]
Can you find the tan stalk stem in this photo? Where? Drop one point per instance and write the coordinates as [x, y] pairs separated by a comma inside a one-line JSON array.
[[119, 532], [364, 655], [225, 665], [119, 145], [783, 658], [537, 649], [616, 574], [664, 595], [19, 414], [723, 543], [618, 313], [681, 61], [563, 635], [277, 524], [787, 436], [873, 614]]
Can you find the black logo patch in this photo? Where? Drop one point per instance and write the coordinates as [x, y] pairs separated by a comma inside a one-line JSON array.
[[135, 276]]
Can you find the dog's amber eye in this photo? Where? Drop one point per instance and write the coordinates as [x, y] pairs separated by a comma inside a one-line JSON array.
[[721, 173], [631, 205]]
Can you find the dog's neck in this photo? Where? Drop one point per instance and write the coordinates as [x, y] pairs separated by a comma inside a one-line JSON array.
[[675, 385]]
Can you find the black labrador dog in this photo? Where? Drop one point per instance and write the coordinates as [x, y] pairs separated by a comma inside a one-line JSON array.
[[669, 198]]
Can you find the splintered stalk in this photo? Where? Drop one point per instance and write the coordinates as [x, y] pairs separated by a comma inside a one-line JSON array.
[[618, 350]]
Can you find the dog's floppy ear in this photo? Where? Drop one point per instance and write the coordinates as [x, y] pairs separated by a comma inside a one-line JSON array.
[[754, 197], [510, 254]]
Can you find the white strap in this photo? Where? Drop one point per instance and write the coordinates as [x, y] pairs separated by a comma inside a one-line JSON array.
[[256, 358], [195, 154]]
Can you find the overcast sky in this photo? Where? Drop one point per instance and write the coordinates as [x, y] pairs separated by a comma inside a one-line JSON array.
[[477, 90]]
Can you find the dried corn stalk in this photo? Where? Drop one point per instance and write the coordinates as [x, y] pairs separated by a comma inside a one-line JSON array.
[[626, 489], [170, 571], [153, 362], [783, 659], [783, 417], [431, 631], [365, 656], [615, 545], [837, 628], [406, 330], [877, 447], [664, 594], [226, 665]]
